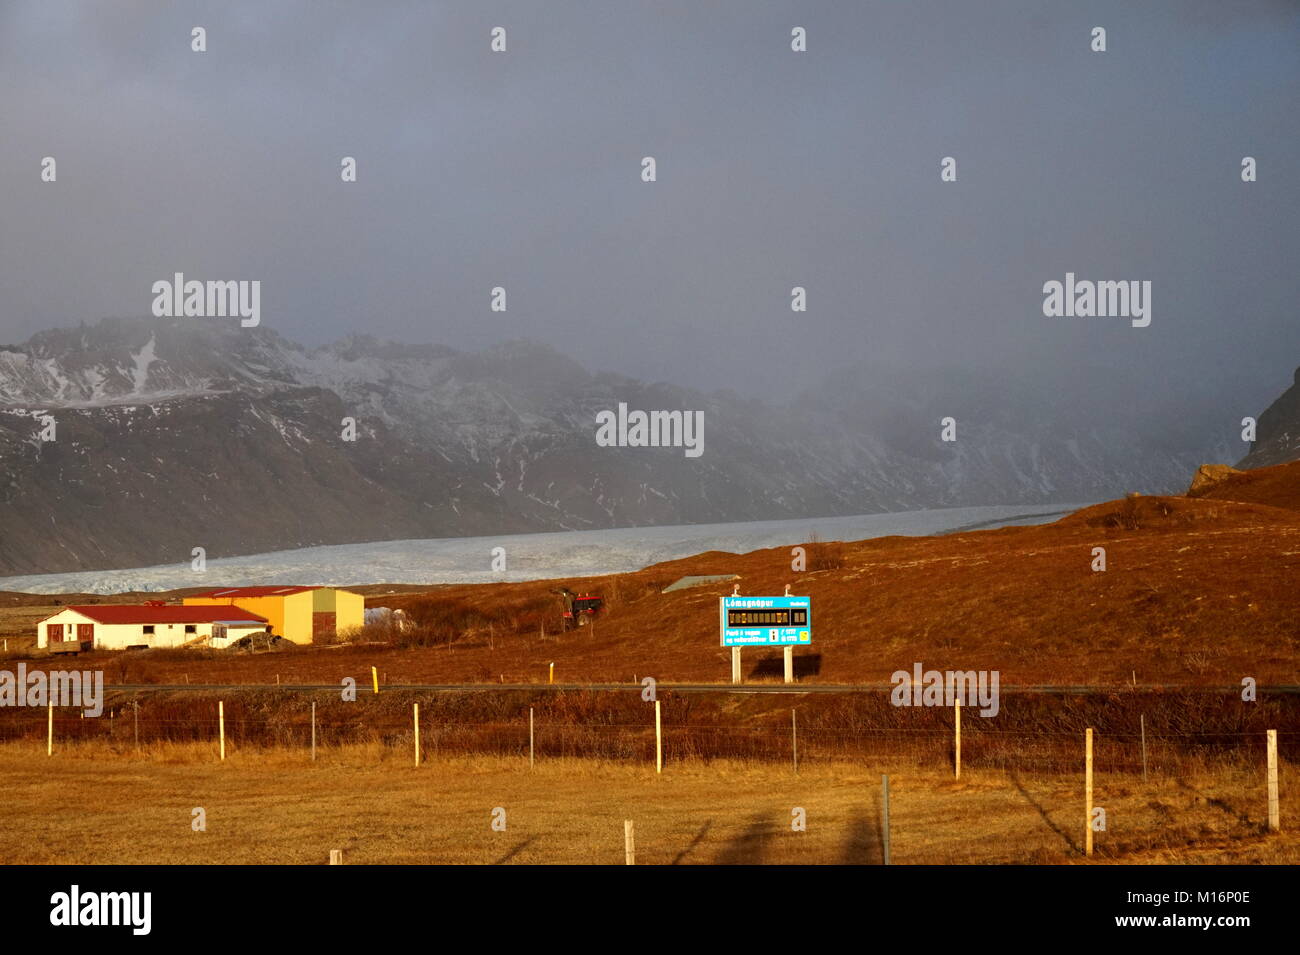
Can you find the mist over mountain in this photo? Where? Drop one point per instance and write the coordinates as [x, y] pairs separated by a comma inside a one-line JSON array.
[[173, 434]]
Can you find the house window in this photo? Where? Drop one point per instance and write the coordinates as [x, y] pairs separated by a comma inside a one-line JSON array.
[[191, 628], [148, 630], [85, 633]]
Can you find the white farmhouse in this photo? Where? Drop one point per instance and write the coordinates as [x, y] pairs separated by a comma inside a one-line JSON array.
[[118, 626]]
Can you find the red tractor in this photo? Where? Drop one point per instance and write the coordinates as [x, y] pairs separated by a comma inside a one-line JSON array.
[[579, 609]]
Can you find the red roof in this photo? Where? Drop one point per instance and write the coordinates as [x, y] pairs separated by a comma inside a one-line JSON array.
[[251, 592], [136, 613]]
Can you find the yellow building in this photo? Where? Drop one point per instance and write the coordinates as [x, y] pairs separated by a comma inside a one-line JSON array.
[[295, 613]]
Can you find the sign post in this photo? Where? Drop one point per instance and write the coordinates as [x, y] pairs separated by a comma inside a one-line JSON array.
[[784, 621]]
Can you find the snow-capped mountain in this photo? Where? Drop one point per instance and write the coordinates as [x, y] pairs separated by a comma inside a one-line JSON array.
[[172, 434]]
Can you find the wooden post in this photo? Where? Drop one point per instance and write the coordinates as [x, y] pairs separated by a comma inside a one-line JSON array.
[[374, 677], [221, 725], [416, 718], [956, 727], [794, 740], [884, 817], [735, 665], [1142, 721], [550, 674], [530, 737], [788, 654], [1274, 816], [336, 857], [137, 724], [49, 736], [1087, 791], [313, 732], [629, 843], [659, 741]]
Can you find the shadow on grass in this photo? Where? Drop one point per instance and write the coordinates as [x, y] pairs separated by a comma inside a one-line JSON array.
[[1065, 836], [515, 851], [698, 838], [1226, 808], [808, 664], [866, 840], [750, 846]]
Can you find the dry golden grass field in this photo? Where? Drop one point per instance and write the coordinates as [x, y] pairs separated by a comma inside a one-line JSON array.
[[89, 805]]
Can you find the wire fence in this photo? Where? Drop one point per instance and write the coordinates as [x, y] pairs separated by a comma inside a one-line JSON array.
[[1038, 741]]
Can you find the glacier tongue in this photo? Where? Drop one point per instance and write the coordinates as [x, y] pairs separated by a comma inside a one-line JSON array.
[[530, 556]]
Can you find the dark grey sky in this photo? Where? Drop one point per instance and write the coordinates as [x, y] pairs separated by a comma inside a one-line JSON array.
[[775, 169]]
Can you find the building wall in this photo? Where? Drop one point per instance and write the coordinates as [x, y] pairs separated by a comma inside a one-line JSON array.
[[117, 636], [289, 616], [350, 611], [272, 608], [65, 617]]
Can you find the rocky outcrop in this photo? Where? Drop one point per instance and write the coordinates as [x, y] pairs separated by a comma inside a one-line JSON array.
[[1208, 476]]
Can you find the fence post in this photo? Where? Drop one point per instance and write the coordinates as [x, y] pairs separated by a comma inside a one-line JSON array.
[[221, 725], [956, 728], [1143, 721], [1274, 815], [629, 843], [416, 718], [550, 674], [530, 737], [137, 725], [1087, 791], [884, 817], [794, 740], [49, 737], [374, 678], [336, 857], [313, 732], [659, 741]]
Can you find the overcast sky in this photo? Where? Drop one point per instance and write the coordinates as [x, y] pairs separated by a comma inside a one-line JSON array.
[[775, 169]]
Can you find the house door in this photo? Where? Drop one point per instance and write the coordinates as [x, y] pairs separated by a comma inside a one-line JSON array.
[[86, 634], [53, 633]]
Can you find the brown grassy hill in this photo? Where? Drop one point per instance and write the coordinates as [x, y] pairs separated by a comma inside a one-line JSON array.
[[1278, 486], [1195, 591]]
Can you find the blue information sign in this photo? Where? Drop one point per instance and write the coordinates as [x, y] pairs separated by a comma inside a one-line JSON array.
[[765, 621]]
